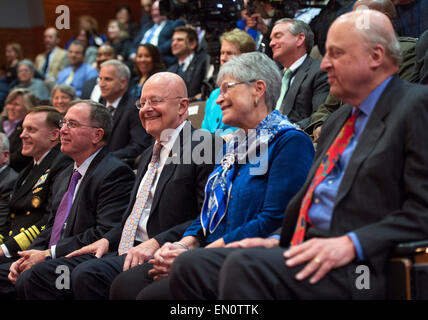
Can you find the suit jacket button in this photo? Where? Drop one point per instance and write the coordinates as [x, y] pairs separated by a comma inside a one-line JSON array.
[[22, 230], [10, 233], [27, 213], [12, 216]]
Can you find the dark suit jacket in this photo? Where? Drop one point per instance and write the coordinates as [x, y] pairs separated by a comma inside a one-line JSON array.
[[87, 88], [179, 193], [7, 180], [16, 161], [307, 92], [195, 74], [383, 196], [128, 138], [165, 39], [98, 206], [32, 198]]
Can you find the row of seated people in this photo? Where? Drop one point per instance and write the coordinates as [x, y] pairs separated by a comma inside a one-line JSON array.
[[184, 227]]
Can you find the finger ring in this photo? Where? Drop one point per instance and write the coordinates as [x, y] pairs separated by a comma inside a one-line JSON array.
[[317, 260]]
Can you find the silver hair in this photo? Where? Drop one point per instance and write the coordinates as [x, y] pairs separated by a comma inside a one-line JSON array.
[[121, 68], [64, 88], [27, 63], [297, 27], [254, 66], [4, 142]]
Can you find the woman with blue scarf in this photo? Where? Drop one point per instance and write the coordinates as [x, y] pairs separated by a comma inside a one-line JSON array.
[[262, 167]]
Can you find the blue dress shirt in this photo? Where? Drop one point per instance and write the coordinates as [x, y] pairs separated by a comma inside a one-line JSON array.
[[324, 196]]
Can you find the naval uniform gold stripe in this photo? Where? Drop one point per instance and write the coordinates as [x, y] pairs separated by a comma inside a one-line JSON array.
[[29, 235], [22, 241]]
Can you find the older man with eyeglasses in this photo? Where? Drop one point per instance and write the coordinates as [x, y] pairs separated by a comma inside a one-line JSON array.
[[91, 196], [167, 195]]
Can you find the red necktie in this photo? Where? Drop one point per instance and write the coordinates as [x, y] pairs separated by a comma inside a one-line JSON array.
[[327, 164]]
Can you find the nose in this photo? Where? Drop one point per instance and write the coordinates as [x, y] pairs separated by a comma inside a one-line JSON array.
[[325, 63], [220, 99]]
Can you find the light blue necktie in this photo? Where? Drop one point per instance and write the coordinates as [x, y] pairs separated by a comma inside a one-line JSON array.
[[285, 80]]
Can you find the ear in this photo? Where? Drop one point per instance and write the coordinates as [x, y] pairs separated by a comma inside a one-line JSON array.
[[98, 135], [259, 89], [54, 135], [376, 56], [123, 84], [183, 107], [300, 40], [193, 45]]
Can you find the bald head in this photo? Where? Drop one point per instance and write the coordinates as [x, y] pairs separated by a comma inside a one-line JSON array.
[[164, 104], [384, 6], [50, 38]]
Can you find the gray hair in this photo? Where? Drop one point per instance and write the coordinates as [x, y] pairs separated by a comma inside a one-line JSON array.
[[297, 27], [27, 63], [99, 116], [64, 88], [121, 68], [4, 142], [254, 66]]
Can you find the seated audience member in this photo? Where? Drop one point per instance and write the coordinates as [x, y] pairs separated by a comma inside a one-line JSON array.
[[124, 16], [26, 80], [166, 194], [54, 59], [31, 198], [407, 49], [159, 33], [91, 89], [192, 66], [420, 73], [7, 181], [89, 24], [304, 86], [246, 195], [147, 62], [128, 138], [61, 96], [233, 43], [13, 54], [334, 224], [91, 196], [18, 103], [146, 6], [411, 21], [118, 38], [78, 72]]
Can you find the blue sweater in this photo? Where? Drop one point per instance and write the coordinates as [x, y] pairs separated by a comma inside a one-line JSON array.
[[257, 202]]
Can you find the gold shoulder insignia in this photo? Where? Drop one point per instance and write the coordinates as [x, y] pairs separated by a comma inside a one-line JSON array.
[[37, 190]]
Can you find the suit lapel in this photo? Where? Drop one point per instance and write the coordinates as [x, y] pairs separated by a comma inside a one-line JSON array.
[[119, 111], [299, 77], [181, 144]]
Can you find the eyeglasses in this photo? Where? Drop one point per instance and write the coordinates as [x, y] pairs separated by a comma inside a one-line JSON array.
[[227, 85], [153, 102], [73, 124]]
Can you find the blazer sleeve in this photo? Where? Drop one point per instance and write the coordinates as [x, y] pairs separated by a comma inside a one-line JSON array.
[[112, 200]]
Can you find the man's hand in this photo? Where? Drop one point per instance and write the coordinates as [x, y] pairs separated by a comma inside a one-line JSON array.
[[98, 248], [323, 255], [316, 133], [139, 254], [14, 270], [254, 242], [163, 259], [31, 257]]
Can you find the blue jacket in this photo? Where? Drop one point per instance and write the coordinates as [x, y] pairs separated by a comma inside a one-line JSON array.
[[257, 202]]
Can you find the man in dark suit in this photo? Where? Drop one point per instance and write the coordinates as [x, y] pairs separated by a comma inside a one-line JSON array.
[[128, 138], [304, 85], [96, 198], [157, 31], [373, 196], [174, 200], [7, 180], [32, 195], [192, 66]]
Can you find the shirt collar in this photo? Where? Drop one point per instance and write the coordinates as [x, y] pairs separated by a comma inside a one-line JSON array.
[[367, 106], [85, 165], [298, 63], [172, 136]]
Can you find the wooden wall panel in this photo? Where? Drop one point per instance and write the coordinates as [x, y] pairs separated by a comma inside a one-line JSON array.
[[32, 39]]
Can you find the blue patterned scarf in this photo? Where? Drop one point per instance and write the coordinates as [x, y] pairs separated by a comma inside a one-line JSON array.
[[219, 183]]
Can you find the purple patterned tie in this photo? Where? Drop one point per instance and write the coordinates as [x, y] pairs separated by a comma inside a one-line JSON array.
[[131, 224], [64, 209]]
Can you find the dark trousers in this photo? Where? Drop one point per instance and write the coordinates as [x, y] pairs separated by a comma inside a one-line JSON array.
[[7, 288], [136, 283], [245, 274]]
